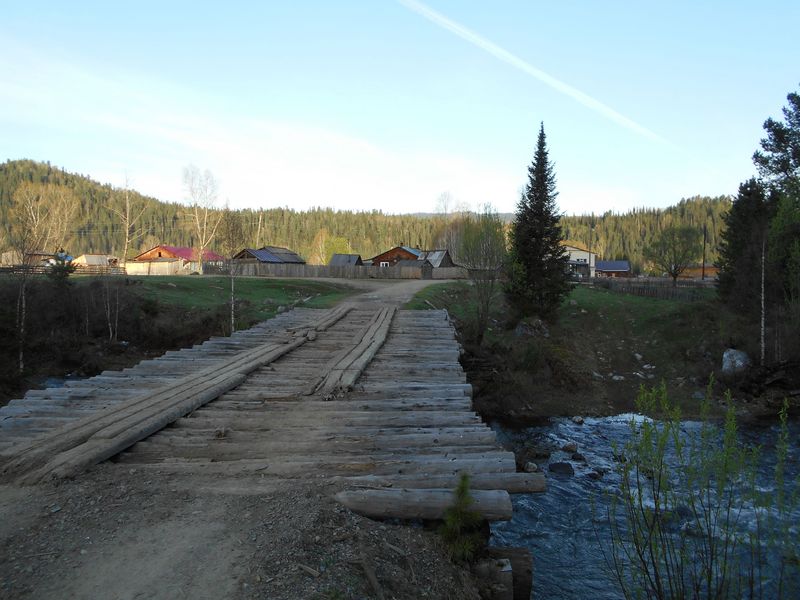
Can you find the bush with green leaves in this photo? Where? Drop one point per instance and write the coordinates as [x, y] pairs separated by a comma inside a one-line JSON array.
[[461, 527], [694, 517]]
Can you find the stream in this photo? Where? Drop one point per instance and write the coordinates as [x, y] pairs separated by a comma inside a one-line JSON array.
[[563, 528]]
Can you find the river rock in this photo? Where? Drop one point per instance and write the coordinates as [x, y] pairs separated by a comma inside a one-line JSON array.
[[531, 467], [618, 378], [597, 376], [533, 328], [637, 356], [595, 475], [734, 361], [578, 420], [570, 447], [577, 456], [562, 468]]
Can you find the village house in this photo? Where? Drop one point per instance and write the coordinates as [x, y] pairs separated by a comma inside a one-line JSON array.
[[440, 259], [709, 273], [346, 260], [582, 262], [391, 257], [171, 260], [613, 268], [95, 260], [270, 254]]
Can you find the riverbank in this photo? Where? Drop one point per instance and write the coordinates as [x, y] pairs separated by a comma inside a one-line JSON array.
[[91, 324], [601, 348]]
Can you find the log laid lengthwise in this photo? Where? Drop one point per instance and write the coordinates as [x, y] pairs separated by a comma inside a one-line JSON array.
[[492, 505]]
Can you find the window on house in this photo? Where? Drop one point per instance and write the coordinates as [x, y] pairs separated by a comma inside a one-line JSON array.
[[384, 264]]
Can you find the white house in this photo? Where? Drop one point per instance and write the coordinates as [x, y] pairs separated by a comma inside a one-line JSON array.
[[581, 261]]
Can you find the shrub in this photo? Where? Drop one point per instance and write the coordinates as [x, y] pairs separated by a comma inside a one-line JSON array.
[[680, 524]]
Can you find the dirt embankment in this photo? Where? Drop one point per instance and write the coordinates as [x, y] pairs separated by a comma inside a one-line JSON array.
[[123, 534]]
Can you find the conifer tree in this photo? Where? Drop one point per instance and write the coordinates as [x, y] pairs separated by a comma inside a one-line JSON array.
[[740, 248], [538, 272]]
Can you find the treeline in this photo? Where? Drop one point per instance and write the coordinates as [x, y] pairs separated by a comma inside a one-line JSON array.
[[96, 228]]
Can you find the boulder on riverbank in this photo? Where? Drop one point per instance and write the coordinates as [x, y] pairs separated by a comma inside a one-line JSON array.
[[561, 468]]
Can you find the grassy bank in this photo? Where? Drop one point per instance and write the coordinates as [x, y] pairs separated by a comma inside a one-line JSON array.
[[91, 324], [257, 298], [592, 360]]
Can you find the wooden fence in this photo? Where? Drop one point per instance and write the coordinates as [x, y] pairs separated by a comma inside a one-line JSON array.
[[258, 269], [654, 287], [79, 270]]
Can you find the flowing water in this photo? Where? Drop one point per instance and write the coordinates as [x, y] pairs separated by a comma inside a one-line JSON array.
[[564, 527]]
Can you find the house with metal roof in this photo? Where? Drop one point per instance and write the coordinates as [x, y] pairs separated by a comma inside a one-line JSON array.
[[270, 254], [346, 260], [164, 253], [613, 268], [391, 257], [438, 258]]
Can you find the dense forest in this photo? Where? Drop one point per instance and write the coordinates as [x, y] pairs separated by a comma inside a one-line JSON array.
[[96, 228]]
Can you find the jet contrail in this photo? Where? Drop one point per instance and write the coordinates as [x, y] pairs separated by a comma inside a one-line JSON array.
[[525, 67]]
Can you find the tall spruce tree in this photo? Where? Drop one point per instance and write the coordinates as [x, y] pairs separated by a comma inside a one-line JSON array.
[[741, 246], [538, 277]]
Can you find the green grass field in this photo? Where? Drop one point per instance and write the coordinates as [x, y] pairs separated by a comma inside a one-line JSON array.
[[259, 298], [598, 334]]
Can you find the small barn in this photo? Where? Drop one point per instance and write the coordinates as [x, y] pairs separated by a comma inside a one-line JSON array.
[[613, 268], [270, 254], [95, 260], [346, 260], [440, 259], [391, 257]]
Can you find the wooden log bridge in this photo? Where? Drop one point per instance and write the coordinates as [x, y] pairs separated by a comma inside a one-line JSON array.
[[372, 397]]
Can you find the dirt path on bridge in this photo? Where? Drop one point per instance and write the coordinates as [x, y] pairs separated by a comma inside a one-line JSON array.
[[123, 532]]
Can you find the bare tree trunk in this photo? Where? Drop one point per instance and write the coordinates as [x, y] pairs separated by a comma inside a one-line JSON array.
[[763, 302], [107, 306], [233, 300], [21, 316], [116, 314]]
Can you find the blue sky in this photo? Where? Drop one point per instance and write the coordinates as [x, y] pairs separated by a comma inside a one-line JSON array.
[[386, 104]]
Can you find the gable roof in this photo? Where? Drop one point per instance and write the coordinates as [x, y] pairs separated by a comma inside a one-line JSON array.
[[612, 265], [344, 260], [185, 253], [435, 257], [567, 244], [415, 251], [271, 254], [100, 260]]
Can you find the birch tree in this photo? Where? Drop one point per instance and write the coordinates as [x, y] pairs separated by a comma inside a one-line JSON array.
[[482, 251], [39, 219], [231, 239], [129, 212], [202, 191]]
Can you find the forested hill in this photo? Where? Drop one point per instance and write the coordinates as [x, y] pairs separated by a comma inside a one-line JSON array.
[[95, 228]]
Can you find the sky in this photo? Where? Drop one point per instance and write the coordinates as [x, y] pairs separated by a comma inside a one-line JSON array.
[[388, 104]]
